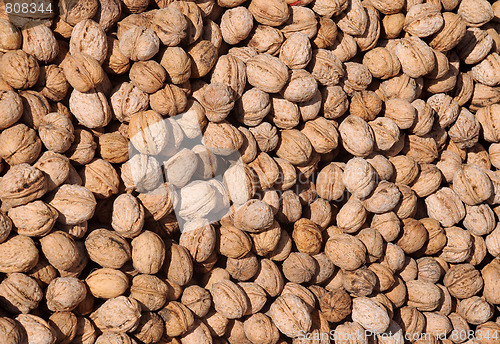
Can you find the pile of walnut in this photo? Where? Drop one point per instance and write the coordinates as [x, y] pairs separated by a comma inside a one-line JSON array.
[[368, 197]]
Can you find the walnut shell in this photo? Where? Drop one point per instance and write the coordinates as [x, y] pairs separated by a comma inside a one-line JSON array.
[[19, 78], [267, 73]]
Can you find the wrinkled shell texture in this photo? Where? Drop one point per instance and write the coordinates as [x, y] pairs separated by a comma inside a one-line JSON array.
[[250, 172]]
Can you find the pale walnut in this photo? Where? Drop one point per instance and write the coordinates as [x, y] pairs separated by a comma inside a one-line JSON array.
[[12, 36], [34, 219], [35, 328], [365, 104], [353, 20], [326, 67], [463, 281], [91, 108], [458, 246], [358, 77], [20, 293], [107, 248], [475, 310], [82, 149], [301, 86], [298, 322], [284, 114], [148, 132], [344, 47], [231, 71], [88, 37], [296, 51], [416, 57], [120, 314], [472, 185], [485, 72], [194, 17], [252, 107], [236, 24], [371, 314], [39, 41], [139, 43], [218, 100], [475, 45], [148, 252], [151, 291], [21, 185], [423, 20], [386, 132], [170, 25], [35, 107], [475, 12], [229, 299], [357, 136], [487, 116], [74, 12], [340, 246], [302, 19]]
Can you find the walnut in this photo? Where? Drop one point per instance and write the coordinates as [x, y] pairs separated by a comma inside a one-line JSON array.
[[34, 219], [120, 314], [93, 102], [290, 304], [203, 56], [19, 144], [107, 283], [88, 37], [139, 43], [450, 34], [475, 12], [445, 206], [56, 132], [150, 291], [355, 127], [267, 73], [21, 185], [370, 314], [19, 78], [107, 248], [170, 25]]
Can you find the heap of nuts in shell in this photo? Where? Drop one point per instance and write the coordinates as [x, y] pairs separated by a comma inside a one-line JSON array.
[[367, 198]]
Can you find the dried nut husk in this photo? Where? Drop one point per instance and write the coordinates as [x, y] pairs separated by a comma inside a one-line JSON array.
[[107, 283], [74, 203], [20, 293]]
